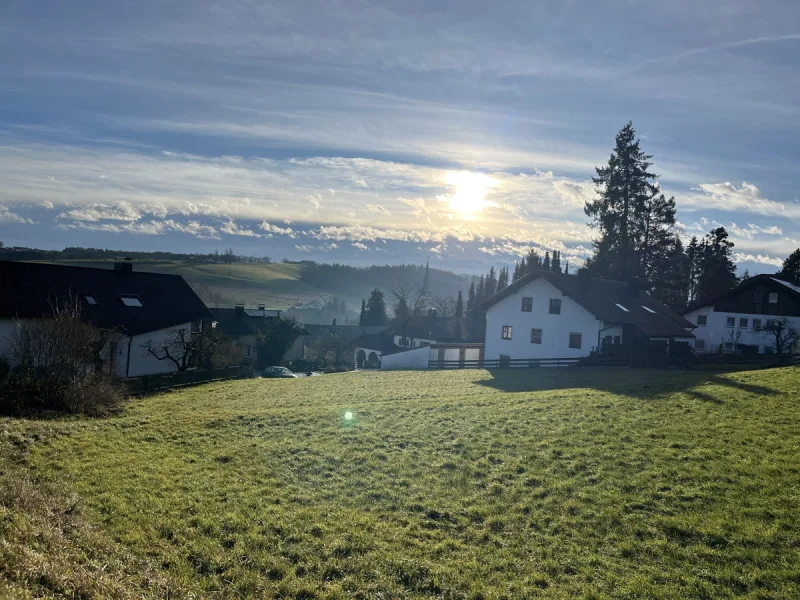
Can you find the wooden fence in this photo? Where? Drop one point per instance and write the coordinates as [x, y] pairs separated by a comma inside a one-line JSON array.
[[504, 363], [163, 381]]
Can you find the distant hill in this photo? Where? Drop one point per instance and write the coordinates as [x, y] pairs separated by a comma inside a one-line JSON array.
[[307, 286]]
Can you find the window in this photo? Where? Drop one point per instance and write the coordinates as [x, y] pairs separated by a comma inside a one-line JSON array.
[[555, 306], [699, 344], [770, 323], [130, 301], [743, 323], [758, 297], [536, 336], [575, 340], [90, 300], [650, 310], [730, 322], [527, 304], [773, 297], [702, 320], [506, 332], [622, 307], [728, 345], [756, 324]]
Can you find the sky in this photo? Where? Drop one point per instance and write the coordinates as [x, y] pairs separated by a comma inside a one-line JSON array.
[[391, 132]]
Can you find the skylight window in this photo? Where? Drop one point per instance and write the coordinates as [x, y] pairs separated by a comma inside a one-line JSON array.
[[90, 300], [619, 306], [130, 301], [650, 310]]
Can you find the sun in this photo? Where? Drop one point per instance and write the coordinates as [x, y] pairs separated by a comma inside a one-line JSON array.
[[469, 196]]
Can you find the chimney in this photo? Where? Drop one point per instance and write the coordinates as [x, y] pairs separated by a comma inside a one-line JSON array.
[[239, 310], [584, 279], [262, 307], [123, 265]]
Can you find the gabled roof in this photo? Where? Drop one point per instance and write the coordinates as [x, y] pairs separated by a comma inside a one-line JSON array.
[[33, 290], [602, 298], [763, 279], [346, 333], [232, 321], [443, 329], [383, 342]]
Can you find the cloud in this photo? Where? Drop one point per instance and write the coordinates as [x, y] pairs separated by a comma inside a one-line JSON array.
[[360, 246], [48, 205], [6, 216], [231, 228], [121, 211], [314, 200], [763, 259], [729, 197], [275, 229], [377, 209]]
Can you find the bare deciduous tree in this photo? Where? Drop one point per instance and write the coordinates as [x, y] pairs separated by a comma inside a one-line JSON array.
[[445, 306], [332, 350], [784, 334], [410, 302]]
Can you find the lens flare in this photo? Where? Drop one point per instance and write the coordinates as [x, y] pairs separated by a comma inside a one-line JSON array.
[[348, 416]]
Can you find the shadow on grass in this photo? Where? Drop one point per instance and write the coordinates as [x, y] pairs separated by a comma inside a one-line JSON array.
[[637, 383]]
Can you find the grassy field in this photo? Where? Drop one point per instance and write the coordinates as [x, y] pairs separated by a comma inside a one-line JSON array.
[[513, 484]]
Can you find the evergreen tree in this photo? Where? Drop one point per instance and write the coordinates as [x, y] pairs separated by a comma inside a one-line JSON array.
[[717, 269], [671, 270], [502, 279], [694, 259], [745, 276], [480, 292], [363, 316], [459, 305], [523, 268], [791, 268], [376, 309], [471, 296], [555, 264], [534, 261], [490, 283], [546, 264], [515, 276], [566, 269], [635, 221]]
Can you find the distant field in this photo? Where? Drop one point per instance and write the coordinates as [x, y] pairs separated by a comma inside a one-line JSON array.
[[276, 283], [465, 484]]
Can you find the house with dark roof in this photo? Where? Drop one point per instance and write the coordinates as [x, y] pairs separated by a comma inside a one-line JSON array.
[[555, 315], [244, 325], [339, 340], [137, 310], [736, 320]]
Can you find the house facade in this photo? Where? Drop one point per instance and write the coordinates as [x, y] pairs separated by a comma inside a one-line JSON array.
[[244, 325], [554, 315], [132, 311], [736, 320]]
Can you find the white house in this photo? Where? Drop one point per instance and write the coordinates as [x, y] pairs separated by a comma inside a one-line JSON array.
[[735, 321], [422, 357], [554, 315], [134, 310]]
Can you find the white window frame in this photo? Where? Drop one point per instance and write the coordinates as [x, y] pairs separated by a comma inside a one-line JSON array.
[[550, 308], [705, 318], [730, 321], [541, 334], [510, 329], [530, 306]]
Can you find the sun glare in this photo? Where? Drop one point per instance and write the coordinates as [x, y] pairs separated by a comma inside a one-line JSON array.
[[469, 195]]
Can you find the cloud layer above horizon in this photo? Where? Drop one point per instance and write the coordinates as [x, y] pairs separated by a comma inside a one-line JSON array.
[[355, 132]]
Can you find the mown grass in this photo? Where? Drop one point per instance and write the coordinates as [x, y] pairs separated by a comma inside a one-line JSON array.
[[536, 483]]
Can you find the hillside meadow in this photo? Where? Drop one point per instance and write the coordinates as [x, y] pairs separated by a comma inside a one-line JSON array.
[[565, 483]]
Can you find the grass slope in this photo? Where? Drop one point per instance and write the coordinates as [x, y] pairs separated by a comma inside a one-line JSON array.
[[544, 483]]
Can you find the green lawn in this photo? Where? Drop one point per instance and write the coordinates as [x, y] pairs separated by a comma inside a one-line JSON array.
[[513, 484]]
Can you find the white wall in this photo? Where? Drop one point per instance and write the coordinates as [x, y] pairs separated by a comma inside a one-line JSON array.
[[409, 359], [141, 363], [412, 341], [555, 328], [7, 329], [716, 332]]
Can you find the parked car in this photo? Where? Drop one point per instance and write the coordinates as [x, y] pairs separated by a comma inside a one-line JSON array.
[[278, 372]]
